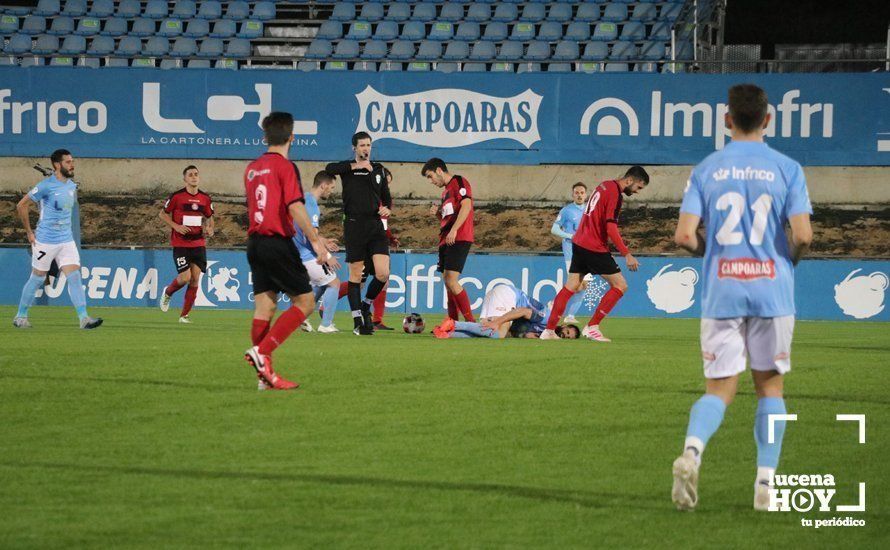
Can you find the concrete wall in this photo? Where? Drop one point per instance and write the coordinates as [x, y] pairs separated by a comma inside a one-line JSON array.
[[828, 185]]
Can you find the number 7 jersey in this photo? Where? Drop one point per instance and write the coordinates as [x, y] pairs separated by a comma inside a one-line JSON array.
[[745, 195]]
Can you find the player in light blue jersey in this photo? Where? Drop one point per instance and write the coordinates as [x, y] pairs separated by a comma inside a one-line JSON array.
[[54, 240], [564, 227], [745, 195], [322, 278]]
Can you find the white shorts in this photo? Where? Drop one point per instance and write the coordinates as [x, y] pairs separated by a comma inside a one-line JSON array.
[[764, 341], [498, 301], [42, 255], [319, 275]]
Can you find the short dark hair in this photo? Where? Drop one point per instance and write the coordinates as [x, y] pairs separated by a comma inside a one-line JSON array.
[[561, 329], [189, 167], [322, 177], [278, 127], [58, 154], [579, 184], [356, 137], [637, 173], [747, 107], [432, 165]]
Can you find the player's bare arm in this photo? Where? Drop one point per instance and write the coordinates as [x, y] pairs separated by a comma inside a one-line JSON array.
[[298, 212], [686, 236], [23, 209], [510, 316], [210, 229], [801, 236]]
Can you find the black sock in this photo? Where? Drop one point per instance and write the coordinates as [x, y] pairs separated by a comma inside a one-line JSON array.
[[354, 293], [374, 288]]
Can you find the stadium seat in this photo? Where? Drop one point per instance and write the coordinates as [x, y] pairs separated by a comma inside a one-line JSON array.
[[330, 30], [413, 30], [263, 11], [510, 51], [374, 49], [156, 46], [505, 13], [230, 64], [652, 51], [442, 31], [478, 13], [45, 45], [617, 67], [372, 12], [670, 12], [101, 45], [34, 24], [169, 63], [528, 68], [605, 32], [390, 66], [213, 47], [644, 13], [32, 61], [250, 29], [336, 66], [129, 46], [538, 51], [114, 26], [307, 66], [319, 49], [456, 51], [238, 48], [645, 68], [623, 1], [360, 30], [590, 67], [401, 49], [615, 13], [496, 32], [660, 31], [129, 9], [419, 66], [452, 13], [143, 27], [210, 9], [559, 68], [155, 9], [533, 13], [73, 45], [184, 9], [88, 26], [224, 28], [474, 68], [346, 49], [566, 51], [386, 30], [398, 12], [8, 61], [205, 63], [102, 8], [184, 47], [343, 12], [501, 67], [170, 28], [18, 44], [482, 51], [468, 32], [623, 51], [75, 8], [550, 31], [588, 13], [62, 62], [117, 62], [429, 50], [424, 12], [560, 13], [196, 28], [523, 31], [633, 31], [47, 7], [61, 26], [143, 63], [578, 31], [89, 62], [237, 11], [595, 51], [365, 66], [9, 24], [446, 67]]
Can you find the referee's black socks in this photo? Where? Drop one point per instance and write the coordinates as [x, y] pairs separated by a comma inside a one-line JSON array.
[[374, 288], [354, 293]]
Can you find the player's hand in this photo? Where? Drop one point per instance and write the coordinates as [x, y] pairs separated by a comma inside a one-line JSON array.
[[331, 245], [394, 241], [451, 237], [331, 261], [182, 230], [632, 263], [491, 324], [209, 232], [434, 210], [31, 238], [384, 212]]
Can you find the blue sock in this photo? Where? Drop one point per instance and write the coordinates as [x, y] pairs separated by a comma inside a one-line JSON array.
[[474, 330], [329, 301], [29, 293], [704, 419], [768, 453], [575, 303], [75, 292]]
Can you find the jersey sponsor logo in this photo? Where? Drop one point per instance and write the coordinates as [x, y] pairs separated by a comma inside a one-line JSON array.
[[251, 174], [672, 291], [449, 117], [218, 285], [746, 269], [862, 297]]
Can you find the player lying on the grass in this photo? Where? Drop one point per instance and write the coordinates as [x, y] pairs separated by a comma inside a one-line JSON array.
[[506, 312], [56, 196]]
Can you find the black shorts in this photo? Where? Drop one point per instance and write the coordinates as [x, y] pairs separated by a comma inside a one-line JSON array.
[[596, 263], [184, 256], [276, 266], [364, 238], [453, 257]]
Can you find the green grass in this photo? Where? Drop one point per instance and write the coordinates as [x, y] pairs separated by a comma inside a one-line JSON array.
[[146, 433]]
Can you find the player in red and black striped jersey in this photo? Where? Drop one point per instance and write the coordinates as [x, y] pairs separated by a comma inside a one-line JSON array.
[[189, 214], [591, 255], [274, 205], [455, 211]]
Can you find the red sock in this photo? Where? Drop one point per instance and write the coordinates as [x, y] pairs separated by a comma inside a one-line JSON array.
[[463, 303], [344, 288], [559, 306], [288, 322], [607, 302], [190, 294], [258, 331], [452, 306], [173, 287], [380, 306]]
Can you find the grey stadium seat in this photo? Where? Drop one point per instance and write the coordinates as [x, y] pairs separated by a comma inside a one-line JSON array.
[[184, 47], [330, 30], [196, 28], [566, 51], [114, 26], [538, 51], [73, 45], [482, 51], [45, 45], [129, 46], [224, 28], [101, 45], [156, 46], [213, 47], [456, 51], [510, 51], [429, 50], [467, 31], [61, 26], [101, 8], [89, 26], [346, 49], [401, 49], [374, 49]]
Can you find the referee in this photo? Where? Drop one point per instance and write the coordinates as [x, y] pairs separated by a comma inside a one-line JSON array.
[[366, 199]]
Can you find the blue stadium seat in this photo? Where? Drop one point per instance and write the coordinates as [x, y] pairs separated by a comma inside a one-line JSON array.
[[645, 68], [250, 29], [117, 62], [578, 31], [210, 9], [101, 45], [623, 51], [343, 12], [34, 24], [8, 61], [550, 31], [595, 51], [101, 8], [213, 47], [372, 12], [330, 30], [169, 64], [652, 51], [566, 50], [533, 13], [89, 63], [660, 31], [196, 28], [442, 31], [505, 13], [365, 66], [61, 26], [496, 32], [474, 68], [559, 68], [75, 8], [429, 50], [17, 10], [617, 67], [184, 9], [45, 45], [184, 47], [230, 64], [528, 68], [456, 51], [670, 12], [129, 46], [386, 30], [401, 49], [510, 51], [538, 51], [156, 9], [590, 67], [452, 12], [588, 13], [143, 27], [374, 49], [479, 13], [413, 30], [559, 12], [238, 47], [32, 61], [633, 31], [89, 26], [523, 31], [360, 30], [501, 67], [237, 11], [170, 28], [114, 26], [424, 12], [644, 13], [319, 49], [606, 32], [482, 51], [467, 31], [336, 66], [615, 13], [346, 49], [446, 67], [156, 46], [205, 63], [73, 45], [18, 44], [398, 12], [224, 28], [61, 62], [306, 66], [129, 9], [390, 66], [9, 24], [263, 11], [47, 7], [143, 63]]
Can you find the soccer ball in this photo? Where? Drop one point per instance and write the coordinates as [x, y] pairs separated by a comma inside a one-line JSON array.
[[413, 323]]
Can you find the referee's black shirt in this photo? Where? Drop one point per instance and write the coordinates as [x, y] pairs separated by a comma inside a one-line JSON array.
[[363, 192]]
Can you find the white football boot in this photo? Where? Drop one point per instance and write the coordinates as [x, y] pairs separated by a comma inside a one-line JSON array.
[[594, 333], [685, 490], [164, 302], [548, 335], [329, 329]]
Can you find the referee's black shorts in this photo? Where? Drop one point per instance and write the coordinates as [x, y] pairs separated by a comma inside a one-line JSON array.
[[276, 266], [452, 257], [364, 238], [596, 263]]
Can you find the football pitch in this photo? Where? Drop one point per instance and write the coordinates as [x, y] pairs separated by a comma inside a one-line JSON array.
[[147, 433]]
